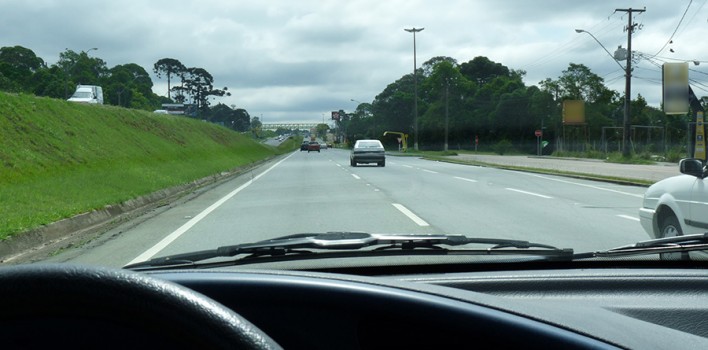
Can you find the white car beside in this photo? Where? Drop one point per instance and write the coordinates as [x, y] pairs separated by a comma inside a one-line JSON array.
[[678, 205]]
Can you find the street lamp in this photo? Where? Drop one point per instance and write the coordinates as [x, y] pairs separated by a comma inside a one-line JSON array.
[[447, 109], [415, 84], [366, 115], [627, 91], [66, 71], [599, 43]]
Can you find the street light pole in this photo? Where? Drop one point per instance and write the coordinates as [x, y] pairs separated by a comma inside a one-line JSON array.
[[447, 109], [415, 84], [366, 114], [626, 125], [628, 81]]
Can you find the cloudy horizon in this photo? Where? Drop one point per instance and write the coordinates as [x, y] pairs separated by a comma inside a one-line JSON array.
[[297, 61]]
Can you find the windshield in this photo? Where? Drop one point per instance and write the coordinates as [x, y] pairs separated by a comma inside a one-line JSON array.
[[541, 122], [82, 94]]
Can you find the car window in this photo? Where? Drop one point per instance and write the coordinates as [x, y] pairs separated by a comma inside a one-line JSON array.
[[511, 126], [354, 174], [370, 144]]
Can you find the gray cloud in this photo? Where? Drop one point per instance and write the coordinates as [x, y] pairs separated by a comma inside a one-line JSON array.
[[298, 60]]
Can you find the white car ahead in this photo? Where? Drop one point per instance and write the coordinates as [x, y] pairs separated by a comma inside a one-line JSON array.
[[678, 205]]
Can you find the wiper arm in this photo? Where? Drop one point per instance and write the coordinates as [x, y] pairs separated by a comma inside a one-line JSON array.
[[306, 242], [674, 244]]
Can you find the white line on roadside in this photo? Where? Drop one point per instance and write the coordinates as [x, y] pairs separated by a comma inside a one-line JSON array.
[[584, 185], [407, 166], [189, 224], [629, 217], [430, 171], [465, 179], [410, 215], [529, 193], [356, 176]]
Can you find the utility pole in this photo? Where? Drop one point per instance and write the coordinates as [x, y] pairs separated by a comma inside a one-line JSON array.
[[628, 80], [415, 84], [447, 110]]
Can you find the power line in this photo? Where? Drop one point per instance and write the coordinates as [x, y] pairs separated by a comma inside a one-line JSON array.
[[675, 30]]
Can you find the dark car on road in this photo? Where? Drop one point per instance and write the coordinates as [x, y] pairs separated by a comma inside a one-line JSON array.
[[313, 146], [368, 151], [304, 146]]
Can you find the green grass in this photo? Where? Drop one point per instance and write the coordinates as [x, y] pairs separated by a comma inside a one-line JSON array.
[[59, 159]]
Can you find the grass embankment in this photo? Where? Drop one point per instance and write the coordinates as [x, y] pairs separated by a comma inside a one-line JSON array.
[[59, 159]]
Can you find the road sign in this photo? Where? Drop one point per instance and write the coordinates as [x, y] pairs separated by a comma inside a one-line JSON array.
[[539, 133]]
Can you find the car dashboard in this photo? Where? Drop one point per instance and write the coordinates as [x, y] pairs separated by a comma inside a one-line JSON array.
[[574, 308], [244, 307]]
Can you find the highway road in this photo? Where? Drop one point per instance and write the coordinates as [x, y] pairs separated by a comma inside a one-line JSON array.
[[319, 192]]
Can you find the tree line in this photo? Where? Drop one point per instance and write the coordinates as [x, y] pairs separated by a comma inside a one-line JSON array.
[[126, 85], [486, 102]]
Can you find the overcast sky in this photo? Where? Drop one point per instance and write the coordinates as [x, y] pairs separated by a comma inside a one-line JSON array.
[[297, 60]]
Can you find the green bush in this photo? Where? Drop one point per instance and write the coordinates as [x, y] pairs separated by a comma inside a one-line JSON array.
[[502, 147], [675, 154]]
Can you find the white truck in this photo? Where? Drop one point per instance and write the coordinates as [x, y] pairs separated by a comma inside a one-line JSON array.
[[87, 94]]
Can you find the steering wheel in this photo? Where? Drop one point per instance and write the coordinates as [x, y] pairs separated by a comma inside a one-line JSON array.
[[81, 306]]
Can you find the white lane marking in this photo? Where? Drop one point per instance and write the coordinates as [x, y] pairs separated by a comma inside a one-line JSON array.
[[410, 215], [529, 193], [584, 185], [465, 179], [628, 217], [407, 166], [189, 224], [356, 176], [429, 171]]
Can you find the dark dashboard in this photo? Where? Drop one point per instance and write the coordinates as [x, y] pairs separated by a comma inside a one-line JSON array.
[[634, 308], [582, 308]]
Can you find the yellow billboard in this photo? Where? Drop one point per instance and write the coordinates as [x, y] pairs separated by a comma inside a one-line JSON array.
[[573, 112]]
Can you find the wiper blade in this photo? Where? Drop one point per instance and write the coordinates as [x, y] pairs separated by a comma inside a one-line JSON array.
[[309, 243], [676, 244]]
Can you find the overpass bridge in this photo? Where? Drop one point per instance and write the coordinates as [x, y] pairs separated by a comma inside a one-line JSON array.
[[289, 126]]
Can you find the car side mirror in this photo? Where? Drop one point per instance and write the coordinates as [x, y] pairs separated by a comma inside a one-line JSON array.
[[692, 166]]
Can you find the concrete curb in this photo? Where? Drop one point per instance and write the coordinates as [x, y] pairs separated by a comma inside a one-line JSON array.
[[67, 232]]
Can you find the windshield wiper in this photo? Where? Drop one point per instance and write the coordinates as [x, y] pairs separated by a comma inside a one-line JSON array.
[[309, 243], [676, 244]]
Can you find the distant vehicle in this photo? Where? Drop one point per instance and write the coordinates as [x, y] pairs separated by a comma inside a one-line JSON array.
[[368, 151], [87, 94], [304, 146], [313, 146], [180, 108], [323, 145]]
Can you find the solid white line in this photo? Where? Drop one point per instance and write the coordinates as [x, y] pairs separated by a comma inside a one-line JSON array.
[[465, 179], [584, 185], [529, 193], [410, 215], [356, 176], [430, 171], [629, 217], [189, 224]]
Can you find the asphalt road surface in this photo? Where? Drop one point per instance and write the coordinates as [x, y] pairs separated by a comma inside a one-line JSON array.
[[319, 192]]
